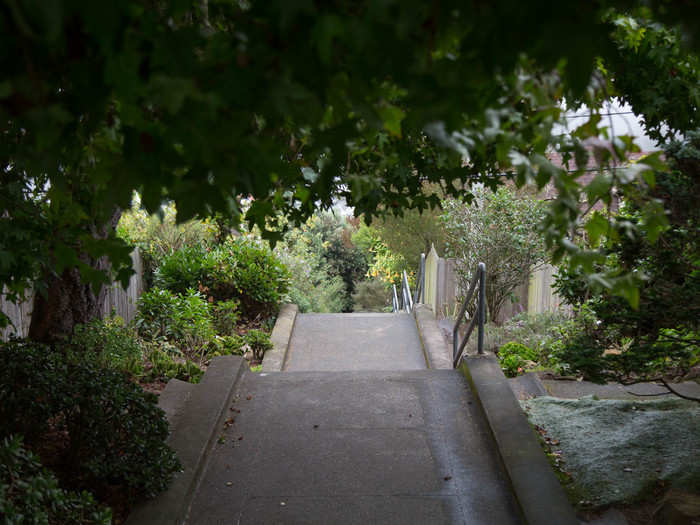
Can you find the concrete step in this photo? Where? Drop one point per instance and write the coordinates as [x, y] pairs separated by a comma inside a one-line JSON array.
[[356, 341]]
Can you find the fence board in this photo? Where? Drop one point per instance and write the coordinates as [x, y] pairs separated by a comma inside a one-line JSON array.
[[122, 302]]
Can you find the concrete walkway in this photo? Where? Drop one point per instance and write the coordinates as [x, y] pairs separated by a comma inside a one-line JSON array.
[[334, 342], [354, 447]]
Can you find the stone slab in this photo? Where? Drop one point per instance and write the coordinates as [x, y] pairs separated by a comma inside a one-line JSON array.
[[355, 447], [273, 361], [436, 348], [527, 386], [173, 399], [360, 341], [192, 439], [541, 498], [644, 391]]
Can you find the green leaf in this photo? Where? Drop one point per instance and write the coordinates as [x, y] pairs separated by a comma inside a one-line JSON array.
[[391, 117], [596, 227]]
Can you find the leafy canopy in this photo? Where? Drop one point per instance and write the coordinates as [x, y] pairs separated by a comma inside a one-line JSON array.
[[293, 103]]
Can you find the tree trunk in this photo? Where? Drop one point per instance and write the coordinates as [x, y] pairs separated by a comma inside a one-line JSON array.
[[69, 301]]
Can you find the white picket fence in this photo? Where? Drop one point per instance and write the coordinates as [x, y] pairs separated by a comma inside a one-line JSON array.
[[117, 299]]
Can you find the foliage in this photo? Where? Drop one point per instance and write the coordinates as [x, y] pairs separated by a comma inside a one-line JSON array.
[[372, 295], [225, 315], [184, 320], [536, 331], [514, 358], [109, 343], [156, 308], [164, 366], [501, 230], [113, 434], [259, 343], [247, 270], [326, 242], [662, 334], [105, 102], [183, 269], [229, 345], [383, 263], [159, 235], [311, 287], [31, 494], [412, 232]]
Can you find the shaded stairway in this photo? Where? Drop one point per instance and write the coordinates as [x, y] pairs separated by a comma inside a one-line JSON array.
[[355, 429]]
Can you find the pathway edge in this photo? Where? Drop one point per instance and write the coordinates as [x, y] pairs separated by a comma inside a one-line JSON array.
[[192, 436], [539, 494], [437, 353], [274, 359]]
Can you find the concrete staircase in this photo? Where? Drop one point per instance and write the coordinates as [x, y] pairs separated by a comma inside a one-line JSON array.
[[350, 422]]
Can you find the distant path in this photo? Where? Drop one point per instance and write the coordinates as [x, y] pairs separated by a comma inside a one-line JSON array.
[[355, 342]]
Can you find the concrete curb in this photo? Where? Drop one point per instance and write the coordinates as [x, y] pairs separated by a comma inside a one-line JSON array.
[[274, 359], [192, 436], [436, 350], [541, 498]]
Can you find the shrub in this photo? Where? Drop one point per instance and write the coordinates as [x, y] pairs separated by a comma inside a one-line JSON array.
[[183, 269], [259, 343], [31, 494], [247, 270], [191, 322], [164, 366], [371, 296], [514, 357], [225, 314], [112, 433], [228, 345], [156, 308], [109, 343], [184, 320]]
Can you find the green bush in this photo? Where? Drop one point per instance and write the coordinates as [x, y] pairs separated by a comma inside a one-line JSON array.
[[371, 296], [185, 320], [183, 269], [113, 434], [514, 357], [225, 314], [156, 309], [259, 343], [109, 343], [31, 494], [247, 270], [227, 345], [192, 324], [164, 367]]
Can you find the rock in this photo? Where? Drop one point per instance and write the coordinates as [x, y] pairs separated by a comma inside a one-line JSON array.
[[678, 508]]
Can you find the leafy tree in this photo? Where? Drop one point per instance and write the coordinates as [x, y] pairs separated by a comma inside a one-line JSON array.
[[201, 103], [663, 334], [412, 233], [501, 230]]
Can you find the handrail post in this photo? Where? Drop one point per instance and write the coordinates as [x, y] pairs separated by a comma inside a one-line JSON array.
[[482, 306]]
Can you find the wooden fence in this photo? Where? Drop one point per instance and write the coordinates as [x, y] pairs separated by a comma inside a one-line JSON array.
[[122, 302], [442, 290]]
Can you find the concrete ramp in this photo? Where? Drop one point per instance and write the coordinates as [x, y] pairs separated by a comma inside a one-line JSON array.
[[354, 448], [333, 342]]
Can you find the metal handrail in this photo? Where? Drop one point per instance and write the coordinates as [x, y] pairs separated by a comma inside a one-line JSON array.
[[480, 316], [407, 300], [420, 281]]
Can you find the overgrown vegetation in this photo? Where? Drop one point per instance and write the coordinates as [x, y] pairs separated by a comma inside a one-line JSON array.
[[500, 229], [96, 429]]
